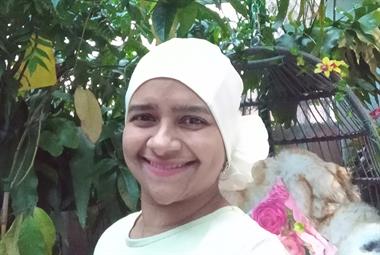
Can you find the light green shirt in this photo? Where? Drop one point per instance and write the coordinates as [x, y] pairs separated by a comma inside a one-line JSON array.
[[227, 230]]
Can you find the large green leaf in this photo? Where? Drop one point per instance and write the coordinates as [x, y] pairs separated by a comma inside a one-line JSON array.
[[60, 133], [331, 39], [370, 23], [186, 17], [49, 142], [105, 165], [35, 234], [30, 241], [287, 41], [163, 21], [66, 132], [24, 196], [128, 188], [82, 168], [46, 226], [29, 235]]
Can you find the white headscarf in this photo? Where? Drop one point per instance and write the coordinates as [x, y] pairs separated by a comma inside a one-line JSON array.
[[203, 68]]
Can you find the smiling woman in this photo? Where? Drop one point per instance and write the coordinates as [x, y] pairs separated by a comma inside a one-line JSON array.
[[172, 145], [183, 141]]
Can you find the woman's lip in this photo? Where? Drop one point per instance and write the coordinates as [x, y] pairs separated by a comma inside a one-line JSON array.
[[166, 168]]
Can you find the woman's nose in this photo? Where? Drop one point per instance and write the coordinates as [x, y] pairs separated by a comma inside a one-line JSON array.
[[164, 141]]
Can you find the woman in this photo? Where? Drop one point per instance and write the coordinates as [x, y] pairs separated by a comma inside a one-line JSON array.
[[183, 139]]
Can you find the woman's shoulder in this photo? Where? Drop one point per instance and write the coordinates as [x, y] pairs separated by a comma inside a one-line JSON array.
[[115, 234], [241, 230], [233, 217]]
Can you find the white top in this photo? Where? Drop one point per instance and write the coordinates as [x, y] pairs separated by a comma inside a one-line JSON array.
[[227, 230]]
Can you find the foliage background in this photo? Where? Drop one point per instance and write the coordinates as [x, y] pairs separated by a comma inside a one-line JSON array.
[[53, 157]]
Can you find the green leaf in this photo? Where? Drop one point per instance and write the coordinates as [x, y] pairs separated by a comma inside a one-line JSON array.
[[331, 39], [46, 227], [163, 20], [128, 188], [24, 196], [82, 167], [36, 234], [370, 23], [24, 158], [239, 7], [30, 241], [186, 17], [66, 132], [49, 142], [281, 14], [105, 165], [60, 133], [136, 45], [287, 41], [62, 95], [206, 13]]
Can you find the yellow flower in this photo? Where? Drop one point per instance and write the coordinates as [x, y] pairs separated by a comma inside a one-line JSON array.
[[327, 66]]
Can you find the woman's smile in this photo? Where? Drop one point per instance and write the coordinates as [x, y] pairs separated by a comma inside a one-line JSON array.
[[165, 168]]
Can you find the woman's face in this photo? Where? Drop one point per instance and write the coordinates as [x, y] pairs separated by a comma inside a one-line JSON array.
[[171, 143]]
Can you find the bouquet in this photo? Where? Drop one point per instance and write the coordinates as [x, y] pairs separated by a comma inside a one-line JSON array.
[[279, 214]]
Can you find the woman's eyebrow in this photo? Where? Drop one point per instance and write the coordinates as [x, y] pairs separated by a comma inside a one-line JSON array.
[[191, 109], [141, 107]]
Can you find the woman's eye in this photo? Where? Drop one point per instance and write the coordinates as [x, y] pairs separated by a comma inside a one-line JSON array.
[[143, 120], [193, 122]]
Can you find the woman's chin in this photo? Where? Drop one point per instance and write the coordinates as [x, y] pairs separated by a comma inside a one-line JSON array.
[[163, 197]]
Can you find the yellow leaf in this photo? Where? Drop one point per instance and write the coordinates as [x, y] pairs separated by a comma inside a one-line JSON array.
[[88, 111], [41, 77], [9, 241]]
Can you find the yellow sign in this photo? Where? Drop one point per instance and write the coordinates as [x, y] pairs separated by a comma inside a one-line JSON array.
[[43, 76]]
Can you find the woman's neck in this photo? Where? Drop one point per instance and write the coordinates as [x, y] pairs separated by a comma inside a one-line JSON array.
[[156, 218]]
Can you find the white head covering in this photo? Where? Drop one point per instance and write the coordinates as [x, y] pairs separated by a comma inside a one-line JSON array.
[[202, 67]]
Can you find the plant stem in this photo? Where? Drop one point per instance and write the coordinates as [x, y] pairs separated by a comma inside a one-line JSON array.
[[334, 12], [4, 214]]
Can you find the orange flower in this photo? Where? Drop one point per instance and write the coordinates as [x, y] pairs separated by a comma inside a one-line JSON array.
[[327, 66]]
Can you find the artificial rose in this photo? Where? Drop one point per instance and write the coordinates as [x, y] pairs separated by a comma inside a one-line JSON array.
[[279, 192], [271, 215], [293, 244]]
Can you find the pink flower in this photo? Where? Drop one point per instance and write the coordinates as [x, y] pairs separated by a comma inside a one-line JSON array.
[[375, 114], [271, 215], [293, 244], [279, 191]]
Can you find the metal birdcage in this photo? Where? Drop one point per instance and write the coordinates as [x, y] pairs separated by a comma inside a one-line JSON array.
[[308, 110]]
